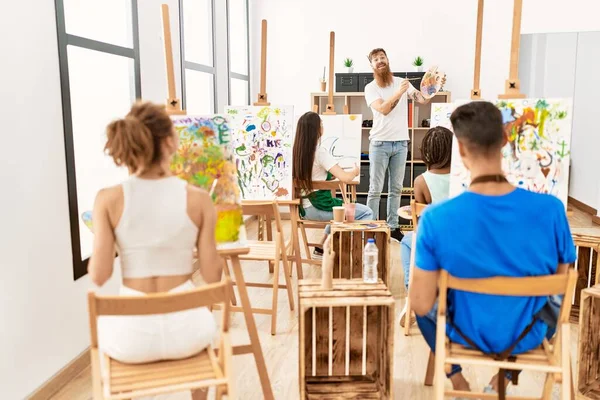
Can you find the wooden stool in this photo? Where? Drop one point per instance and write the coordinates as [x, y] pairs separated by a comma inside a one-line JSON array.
[[588, 383], [346, 340], [349, 240]]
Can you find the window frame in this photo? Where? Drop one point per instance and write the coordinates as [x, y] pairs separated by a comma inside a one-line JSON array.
[[195, 66], [232, 74], [64, 40]]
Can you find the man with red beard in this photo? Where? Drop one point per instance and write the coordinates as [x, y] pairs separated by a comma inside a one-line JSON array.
[[387, 97]]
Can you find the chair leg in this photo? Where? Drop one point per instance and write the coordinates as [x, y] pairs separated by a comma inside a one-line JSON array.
[[548, 384], [429, 373], [96, 376], [228, 275], [287, 268], [275, 296], [565, 341], [305, 240]]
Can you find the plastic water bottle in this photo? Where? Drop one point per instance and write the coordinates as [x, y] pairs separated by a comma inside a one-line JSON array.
[[370, 258]]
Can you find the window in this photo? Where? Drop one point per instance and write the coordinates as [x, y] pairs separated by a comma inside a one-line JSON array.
[[239, 81], [100, 78], [197, 52]]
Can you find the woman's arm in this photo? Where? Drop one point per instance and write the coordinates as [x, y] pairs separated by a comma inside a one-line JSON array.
[[422, 194], [210, 263], [100, 266], [343, 175]]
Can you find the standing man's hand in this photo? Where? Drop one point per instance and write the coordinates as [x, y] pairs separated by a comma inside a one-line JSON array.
[[402, 89]]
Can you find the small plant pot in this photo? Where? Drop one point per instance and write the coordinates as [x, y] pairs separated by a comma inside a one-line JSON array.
[[349, 69], [418, 68], [323, 86]]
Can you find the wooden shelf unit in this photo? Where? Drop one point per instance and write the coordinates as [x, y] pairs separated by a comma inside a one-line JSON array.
[[355, 101]]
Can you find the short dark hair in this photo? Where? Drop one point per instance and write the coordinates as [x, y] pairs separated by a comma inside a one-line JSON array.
[[436, 148], [479, 123], [375, 51]]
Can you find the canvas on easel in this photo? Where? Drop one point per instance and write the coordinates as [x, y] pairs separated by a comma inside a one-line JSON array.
[[204, 159], [342, 135], [261, 141], [537, 155]]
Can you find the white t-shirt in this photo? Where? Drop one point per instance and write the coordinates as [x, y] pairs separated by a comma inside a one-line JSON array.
[[322, 164], [394, 126]]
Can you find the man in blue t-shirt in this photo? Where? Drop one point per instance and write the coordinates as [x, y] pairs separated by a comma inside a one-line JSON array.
[[493, 229]]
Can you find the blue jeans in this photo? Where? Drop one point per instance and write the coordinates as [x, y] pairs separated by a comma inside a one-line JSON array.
[[427, 326], [405, 248], [362, 213], [391, 157]]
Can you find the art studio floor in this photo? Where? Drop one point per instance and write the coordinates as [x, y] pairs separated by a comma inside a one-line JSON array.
[[281, 350]]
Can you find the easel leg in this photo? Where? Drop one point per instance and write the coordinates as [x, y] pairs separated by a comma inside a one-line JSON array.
[[228, 275], [252, 332]]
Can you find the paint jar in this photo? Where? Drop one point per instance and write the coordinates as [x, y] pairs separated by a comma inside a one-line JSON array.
[[350, 211]]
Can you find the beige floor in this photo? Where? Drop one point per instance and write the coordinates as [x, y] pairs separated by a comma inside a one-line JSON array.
[[281, 350]]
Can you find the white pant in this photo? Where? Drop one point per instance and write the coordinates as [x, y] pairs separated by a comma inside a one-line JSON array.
[[148, 338]]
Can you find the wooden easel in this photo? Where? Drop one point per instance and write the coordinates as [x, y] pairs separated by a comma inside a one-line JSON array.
[[476, 92], [330, 108], [173, 103], [513, 85], [262, 95]]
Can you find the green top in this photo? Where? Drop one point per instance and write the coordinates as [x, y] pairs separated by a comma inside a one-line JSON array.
[[322, 199]]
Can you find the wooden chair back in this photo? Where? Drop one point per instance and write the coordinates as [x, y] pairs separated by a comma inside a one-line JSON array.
[[333, 186], [554, 359], [268, 210], [416, 210], [531, 286], [159, 303]]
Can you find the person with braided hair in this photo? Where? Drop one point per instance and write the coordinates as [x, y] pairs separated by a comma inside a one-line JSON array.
[[431, 187]]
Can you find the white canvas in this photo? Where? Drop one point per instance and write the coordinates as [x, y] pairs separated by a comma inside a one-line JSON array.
[[342, 135], [262, 139], [537, 156]]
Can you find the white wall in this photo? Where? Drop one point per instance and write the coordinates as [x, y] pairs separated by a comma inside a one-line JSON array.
[[586, 133], [298, 40], [43, 312], [565, 65]]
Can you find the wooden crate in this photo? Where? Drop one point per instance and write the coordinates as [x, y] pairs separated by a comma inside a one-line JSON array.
[[346, 340], [588, 254], [588, 383], [349, 241]]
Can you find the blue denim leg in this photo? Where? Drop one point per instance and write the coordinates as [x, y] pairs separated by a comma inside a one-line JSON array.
[[427, 325], [363, 213], [379, 158], [405, 248], [318, 215], [396, 170]]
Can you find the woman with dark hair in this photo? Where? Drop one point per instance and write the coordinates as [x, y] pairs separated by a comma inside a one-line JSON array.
[[312, 162], [156, 220], [430, 187]]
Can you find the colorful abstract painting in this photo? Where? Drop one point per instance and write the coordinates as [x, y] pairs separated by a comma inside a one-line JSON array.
[[204, 158], [537, 154], [342, 135], [262, 139], [86, 217]]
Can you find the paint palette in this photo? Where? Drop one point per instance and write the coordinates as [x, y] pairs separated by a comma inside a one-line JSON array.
[[405, 212], [86, 217], [431, 82]]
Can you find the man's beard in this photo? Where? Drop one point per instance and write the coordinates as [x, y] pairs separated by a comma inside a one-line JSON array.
[[383, 77]]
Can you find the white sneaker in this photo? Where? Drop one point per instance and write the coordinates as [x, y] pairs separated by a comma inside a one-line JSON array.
[[413, 319]]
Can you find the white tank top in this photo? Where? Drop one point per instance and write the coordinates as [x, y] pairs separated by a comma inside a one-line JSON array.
[[438, 185], [155, 235]]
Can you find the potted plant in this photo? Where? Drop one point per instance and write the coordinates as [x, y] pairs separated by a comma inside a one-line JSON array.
[[418, 64], [348, 63]]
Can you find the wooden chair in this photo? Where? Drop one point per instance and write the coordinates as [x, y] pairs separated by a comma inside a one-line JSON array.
[[416, 211], [126, 381], [553, 358], [273, 251], [304, 224]]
